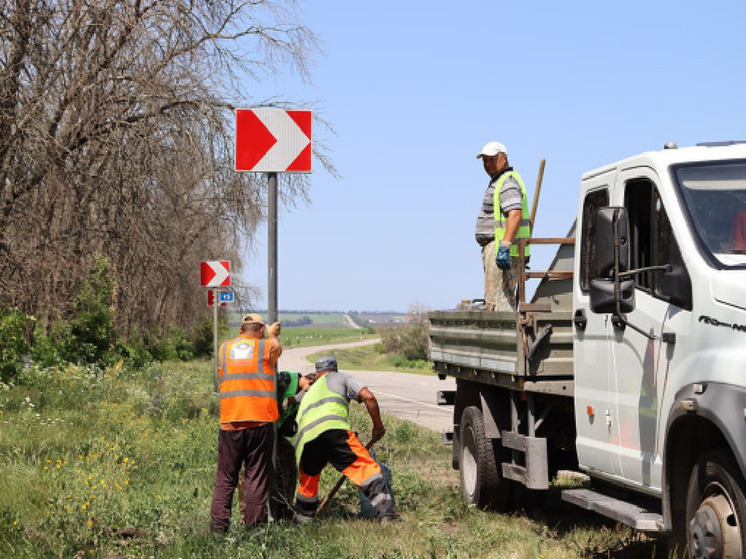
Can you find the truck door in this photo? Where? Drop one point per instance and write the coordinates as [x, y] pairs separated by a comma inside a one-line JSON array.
[[641, 363], [597, 440]]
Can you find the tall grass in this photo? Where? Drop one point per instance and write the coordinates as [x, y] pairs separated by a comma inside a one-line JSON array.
[[117, 463]]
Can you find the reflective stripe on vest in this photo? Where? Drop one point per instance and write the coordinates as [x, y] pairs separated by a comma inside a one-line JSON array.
[[320, 409], [247, 382], [524, 229]]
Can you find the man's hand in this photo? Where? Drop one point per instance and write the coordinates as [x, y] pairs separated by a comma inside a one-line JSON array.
[[274, 329], [503, 257], [378, 433]]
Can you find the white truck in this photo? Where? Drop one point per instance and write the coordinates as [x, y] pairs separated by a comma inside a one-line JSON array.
[[629, 361]]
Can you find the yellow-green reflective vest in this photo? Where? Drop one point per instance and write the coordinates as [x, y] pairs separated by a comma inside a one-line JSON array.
[[320, 409], [501, 220]]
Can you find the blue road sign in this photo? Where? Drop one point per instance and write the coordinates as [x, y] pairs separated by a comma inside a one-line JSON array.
[[226, 296]]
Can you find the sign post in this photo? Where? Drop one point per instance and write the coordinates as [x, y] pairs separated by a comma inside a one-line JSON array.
[[216, 347], [214, 275], [273, 141]]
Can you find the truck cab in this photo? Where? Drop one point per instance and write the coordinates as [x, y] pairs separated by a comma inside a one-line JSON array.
[[628, 362], [660, 393]]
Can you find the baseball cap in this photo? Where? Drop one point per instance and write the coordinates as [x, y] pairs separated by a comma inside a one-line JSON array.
[[492, 148], [326, 364], [252, 319]]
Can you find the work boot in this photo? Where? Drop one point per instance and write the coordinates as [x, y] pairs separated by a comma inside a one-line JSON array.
[[390, 518], [302, 518]]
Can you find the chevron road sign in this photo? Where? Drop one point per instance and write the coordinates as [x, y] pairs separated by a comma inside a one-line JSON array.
[[273, 141], [215, 274]]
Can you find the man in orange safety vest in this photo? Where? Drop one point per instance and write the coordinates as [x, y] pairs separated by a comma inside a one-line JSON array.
[[248, 407]]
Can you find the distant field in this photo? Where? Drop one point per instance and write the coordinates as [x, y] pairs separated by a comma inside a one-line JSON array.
[[302, 337], [317, 319]]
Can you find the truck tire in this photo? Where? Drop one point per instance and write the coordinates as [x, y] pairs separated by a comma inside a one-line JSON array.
[[482, 484], [715, 508]]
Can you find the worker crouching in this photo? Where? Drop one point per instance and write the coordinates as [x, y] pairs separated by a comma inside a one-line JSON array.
[[325, 437]]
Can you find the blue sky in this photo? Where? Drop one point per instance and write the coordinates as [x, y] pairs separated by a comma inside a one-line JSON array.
[[414, 89]]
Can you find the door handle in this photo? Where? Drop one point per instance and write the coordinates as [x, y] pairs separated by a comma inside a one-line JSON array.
[[580, 320]]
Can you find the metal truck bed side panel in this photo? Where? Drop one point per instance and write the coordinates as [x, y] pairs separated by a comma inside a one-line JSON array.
[[538, 347]]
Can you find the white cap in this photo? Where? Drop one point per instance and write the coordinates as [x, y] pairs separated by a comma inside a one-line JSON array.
[[491, 149]]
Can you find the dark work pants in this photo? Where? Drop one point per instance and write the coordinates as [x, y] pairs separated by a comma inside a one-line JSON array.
[[252, 447]]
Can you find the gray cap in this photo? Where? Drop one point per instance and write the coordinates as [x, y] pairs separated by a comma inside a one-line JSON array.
[[326, 364]]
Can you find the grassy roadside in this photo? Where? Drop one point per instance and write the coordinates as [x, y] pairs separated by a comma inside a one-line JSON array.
[[120, 464], [369, 358]]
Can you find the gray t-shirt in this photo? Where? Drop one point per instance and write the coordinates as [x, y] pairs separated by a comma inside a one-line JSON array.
[[345, 385]]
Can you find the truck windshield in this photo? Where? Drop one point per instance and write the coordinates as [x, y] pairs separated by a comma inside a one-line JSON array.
[[715, 198]]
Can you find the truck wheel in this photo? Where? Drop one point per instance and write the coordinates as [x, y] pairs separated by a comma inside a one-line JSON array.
[[481, 482], [715, 508]]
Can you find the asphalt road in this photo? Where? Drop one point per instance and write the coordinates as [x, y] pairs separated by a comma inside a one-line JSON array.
[[403, 395]]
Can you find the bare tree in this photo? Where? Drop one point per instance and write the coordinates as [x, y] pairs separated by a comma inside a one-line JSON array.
[[116, 139]]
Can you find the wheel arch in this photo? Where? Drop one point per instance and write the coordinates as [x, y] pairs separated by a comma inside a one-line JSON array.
[[702, 418], [492, 401]]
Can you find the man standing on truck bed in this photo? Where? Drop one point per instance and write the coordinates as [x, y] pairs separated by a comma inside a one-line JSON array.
[[502, 219]]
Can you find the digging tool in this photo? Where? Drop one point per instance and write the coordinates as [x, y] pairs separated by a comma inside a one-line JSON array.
[[539, 180], [337, 486]]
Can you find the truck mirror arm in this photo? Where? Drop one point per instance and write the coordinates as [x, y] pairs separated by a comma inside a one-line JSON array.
[[663, 268], [622, 320]]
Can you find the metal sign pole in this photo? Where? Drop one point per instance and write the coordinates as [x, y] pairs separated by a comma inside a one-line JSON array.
[[272, 225], [272, 317], [215, 305]]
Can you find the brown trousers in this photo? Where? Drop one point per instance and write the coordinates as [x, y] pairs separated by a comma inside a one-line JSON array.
[[252, 447]]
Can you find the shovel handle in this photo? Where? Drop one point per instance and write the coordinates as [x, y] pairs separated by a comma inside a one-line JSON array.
[[539, 180]]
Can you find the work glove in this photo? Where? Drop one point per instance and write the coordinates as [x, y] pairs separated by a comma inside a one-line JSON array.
[[503, 257]]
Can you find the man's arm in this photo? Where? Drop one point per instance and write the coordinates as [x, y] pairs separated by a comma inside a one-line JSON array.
[[366, 397], [512, 225]]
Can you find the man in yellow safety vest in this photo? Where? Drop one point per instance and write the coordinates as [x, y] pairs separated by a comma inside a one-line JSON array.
[[502, 220], [325, 436]]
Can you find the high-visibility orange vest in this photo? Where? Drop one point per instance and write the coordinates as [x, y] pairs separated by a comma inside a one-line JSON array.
[[247, 381]]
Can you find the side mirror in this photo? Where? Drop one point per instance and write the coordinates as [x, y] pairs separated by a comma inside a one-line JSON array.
[[602, 297], [612, 225]]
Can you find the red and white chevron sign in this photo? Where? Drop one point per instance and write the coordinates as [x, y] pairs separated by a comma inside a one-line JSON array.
[[215, 274], [273, 141]]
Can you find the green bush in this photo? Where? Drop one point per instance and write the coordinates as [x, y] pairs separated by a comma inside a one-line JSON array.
[[89, 335], [14, 346], [410, 341], [204, 339], [175, 346], [92, 327], [47, 350], [134, 352]]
